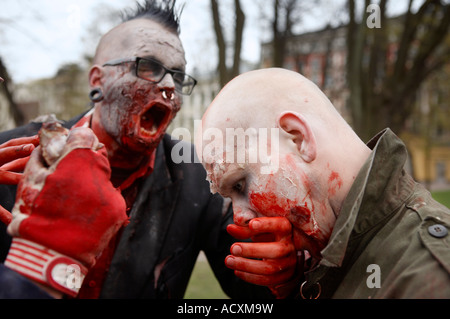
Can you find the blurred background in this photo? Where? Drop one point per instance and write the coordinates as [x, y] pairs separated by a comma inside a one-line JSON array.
[[382, 63]]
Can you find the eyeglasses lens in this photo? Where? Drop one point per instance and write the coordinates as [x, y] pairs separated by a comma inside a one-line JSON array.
[[153, 71], [150, 70]]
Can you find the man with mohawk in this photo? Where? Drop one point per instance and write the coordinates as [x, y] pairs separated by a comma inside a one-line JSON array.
[[138, 81]]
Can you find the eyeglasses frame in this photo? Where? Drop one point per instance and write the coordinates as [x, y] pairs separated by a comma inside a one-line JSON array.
[[166, 70]]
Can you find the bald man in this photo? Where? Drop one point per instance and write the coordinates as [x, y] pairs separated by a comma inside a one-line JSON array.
[[138, 81], [369, 229]]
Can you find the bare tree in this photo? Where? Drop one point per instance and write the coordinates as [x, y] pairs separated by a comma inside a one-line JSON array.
[[284, 19], [383, 75], [226, 73], [7, 91]]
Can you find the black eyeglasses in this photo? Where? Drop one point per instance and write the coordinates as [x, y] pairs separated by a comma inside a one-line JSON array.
[[153, 71]]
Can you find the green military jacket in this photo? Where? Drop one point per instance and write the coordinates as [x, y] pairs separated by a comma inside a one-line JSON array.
[[391, 239]]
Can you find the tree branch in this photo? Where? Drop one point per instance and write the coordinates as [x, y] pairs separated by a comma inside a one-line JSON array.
[[410, 27], [238, 34]]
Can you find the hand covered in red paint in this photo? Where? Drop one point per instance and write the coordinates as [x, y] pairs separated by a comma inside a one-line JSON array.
[[14, 155], [270, 259], [65, 212]]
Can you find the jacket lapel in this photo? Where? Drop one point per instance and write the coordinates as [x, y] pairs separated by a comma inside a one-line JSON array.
[[138, 251]]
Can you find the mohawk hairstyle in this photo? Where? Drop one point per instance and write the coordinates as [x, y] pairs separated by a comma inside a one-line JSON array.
[[161, 11]]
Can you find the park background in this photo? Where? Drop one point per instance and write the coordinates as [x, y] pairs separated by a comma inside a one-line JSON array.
[[382, 64]]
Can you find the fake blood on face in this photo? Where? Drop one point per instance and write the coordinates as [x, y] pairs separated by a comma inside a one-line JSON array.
[[136, 115], [270, 204]]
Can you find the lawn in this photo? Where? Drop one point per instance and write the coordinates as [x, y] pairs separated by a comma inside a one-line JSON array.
[[203, 284], [442, 196]]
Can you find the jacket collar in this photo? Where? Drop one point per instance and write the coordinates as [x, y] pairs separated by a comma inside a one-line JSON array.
[[379, 189]]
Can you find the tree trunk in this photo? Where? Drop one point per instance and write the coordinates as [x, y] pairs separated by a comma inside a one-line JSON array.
[[221, 45], [238, 35], [227, 73], [6, 88], [278, 39]]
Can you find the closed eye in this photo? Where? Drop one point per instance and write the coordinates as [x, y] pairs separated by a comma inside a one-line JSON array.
[[239, 187]]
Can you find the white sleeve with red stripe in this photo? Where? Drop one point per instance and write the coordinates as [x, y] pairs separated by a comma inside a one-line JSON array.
[[46, 266]]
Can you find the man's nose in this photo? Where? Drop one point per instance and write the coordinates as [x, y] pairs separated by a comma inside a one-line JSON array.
[[242, 215], [167, 82]]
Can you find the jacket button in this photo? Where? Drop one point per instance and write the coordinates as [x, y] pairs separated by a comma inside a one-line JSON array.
[[438, 231]]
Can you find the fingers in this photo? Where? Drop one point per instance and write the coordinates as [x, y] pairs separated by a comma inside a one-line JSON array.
[[262, 250], [279, 226], [21, 141], [239, 232], [17, 165], [262, 272], [270, 259], [11, 153], [5, 216], [261, 267], [9, 178], [242, 233], [260, 228], [13, 157]]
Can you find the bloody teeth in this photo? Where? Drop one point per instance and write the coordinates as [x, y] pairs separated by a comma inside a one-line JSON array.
[[152, 132]]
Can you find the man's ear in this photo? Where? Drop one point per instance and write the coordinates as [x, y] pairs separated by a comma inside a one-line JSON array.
[[95, 76], [302, 135]]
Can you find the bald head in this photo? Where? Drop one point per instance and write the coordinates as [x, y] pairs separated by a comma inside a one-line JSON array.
[[276, 98], [256, 98]]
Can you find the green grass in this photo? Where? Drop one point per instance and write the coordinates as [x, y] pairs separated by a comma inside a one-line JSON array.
[[203, 284], [442, 196]]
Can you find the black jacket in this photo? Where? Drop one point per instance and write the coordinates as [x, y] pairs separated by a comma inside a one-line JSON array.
[[173, 218]]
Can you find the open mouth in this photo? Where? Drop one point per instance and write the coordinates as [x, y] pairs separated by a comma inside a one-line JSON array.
[[154, 120]]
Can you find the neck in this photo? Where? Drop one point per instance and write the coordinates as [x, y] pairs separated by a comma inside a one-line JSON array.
[[125, 160], [347, 168]]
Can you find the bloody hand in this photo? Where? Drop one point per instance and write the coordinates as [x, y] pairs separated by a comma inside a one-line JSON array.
[[271, 259], [66, 212], [14, 155]]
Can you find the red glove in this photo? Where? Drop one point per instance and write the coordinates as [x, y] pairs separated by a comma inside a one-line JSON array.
[[271, 259], [65, 213]]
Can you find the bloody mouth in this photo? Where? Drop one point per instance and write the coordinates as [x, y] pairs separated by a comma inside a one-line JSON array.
[[154, 120]]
